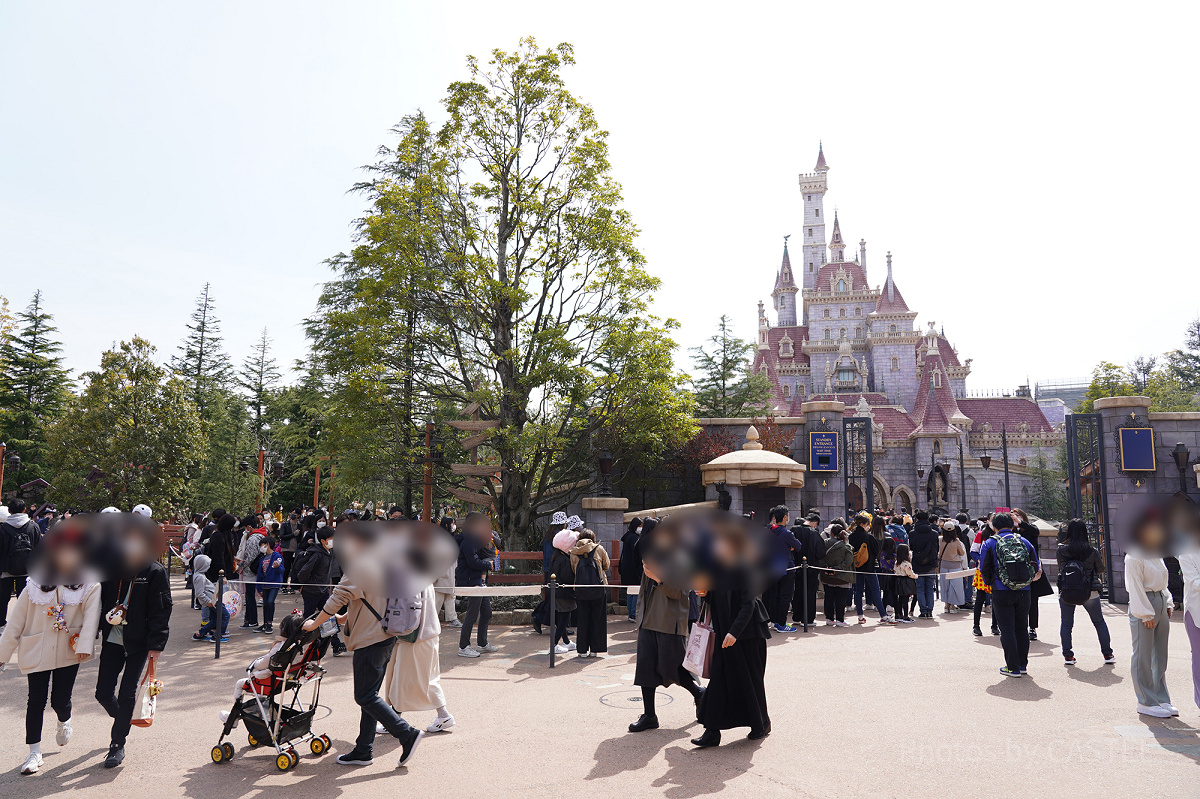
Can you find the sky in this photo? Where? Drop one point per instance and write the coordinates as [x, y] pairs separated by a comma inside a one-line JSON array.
[[1030, 166]]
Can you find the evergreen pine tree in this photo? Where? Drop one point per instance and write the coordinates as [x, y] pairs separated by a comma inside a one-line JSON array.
[[726, 388], [259, 376], [34, 388], [201, 362]]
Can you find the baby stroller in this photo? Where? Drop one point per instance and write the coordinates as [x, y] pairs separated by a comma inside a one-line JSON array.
[[273, 712]]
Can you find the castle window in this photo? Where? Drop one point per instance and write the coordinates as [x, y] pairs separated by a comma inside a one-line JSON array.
[[763, 369], [786, 350], [842, 334], [937, 447], [895, 364], [841, 286], [935, 380], [825, 313], [892, 330], [818, 211], [841, 313], [846, 374], [858, 332], [828, 335], [810, 231], [858, 311], [810, 266], [787, 391], [808, 198]]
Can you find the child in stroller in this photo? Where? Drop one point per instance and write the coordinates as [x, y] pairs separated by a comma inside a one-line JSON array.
[[268, 698]]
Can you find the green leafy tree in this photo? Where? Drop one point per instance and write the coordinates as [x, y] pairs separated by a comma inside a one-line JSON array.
[[1168, 393], [132, 436], [34, 389], [725, 387], [200, 361], [1184, 364], [259, 376], [1047, 487], [1108, 380], [296, 415]]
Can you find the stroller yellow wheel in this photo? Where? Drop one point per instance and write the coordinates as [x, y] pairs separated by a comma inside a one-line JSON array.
[[328, 743], [228, 749], [250, 739], [218, 753], [283, 762], [295, 758], [317, 745]]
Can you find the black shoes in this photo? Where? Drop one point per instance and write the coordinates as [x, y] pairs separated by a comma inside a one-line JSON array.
[[756, 735], [710, 738], [408, 745], [1032, 635], [976, 630], [645, 722], [995, 630], [115, 755], [264, 628]]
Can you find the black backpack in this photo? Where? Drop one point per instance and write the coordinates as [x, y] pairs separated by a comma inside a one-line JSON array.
[[587, 573], [20, 547], [1074, 583]]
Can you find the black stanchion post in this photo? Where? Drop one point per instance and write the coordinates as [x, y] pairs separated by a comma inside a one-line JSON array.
[[553, 634], [219, 609], [804, 592]]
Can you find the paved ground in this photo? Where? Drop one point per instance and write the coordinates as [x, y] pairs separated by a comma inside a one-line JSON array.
[[882, 712]]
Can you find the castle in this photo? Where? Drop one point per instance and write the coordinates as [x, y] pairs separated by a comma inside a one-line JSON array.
[[838, 338]]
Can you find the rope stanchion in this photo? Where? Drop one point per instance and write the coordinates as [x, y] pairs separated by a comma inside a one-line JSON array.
[[219, 609], [553, 628]]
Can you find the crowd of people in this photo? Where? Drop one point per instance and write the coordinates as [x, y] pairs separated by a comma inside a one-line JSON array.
[[67, 610]]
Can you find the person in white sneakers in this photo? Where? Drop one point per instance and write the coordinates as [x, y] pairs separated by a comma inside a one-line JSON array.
[[444, 585], [53, 628], [414, 677], [1149, 617]]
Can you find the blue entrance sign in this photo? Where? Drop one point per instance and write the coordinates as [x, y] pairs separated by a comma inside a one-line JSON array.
[[823, 451], [1137, 449]]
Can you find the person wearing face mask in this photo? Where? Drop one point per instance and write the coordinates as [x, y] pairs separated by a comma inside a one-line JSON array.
[[134, 627], [247, 565], [444, 586], [317, 573], [220, 549], [270, 578]]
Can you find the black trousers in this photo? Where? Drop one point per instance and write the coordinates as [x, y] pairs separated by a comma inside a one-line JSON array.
[[119, 664], [837, 597], [805, 592], [479, 608], [60, 698], [592, 633], [1010, 609], [9, 587], [779, 596], [288, 558]]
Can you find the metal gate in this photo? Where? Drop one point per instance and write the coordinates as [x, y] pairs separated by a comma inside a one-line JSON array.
[[1087, 485], [860, 471]]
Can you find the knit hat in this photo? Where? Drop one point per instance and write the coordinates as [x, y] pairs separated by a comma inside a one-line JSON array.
[[565, 539], [558, 518], [574, 523]]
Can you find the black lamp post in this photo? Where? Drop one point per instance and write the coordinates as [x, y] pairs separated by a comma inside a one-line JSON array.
[[1004, 445], [606, 461], [1181, 454]]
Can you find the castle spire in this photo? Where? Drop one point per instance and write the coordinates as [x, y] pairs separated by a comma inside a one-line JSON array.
[[821, 165], [784, 294], [837, 247]]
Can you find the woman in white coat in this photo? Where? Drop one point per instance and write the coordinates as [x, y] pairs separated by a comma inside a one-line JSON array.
[[52, 630], [414, 677]]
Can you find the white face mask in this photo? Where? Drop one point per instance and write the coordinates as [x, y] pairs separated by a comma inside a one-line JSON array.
[[320, 524], [264, 550]]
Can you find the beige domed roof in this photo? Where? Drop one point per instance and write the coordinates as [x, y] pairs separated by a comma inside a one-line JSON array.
[[753, 465]]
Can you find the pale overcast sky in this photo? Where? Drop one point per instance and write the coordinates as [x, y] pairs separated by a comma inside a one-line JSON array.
[[1031, 166]]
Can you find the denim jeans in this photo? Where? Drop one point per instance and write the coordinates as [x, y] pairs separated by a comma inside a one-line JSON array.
[[479, 608], [268, 604], [868, 582], [1092, 606], [925, 588], [631, 603], [208, 622], [370, 664]]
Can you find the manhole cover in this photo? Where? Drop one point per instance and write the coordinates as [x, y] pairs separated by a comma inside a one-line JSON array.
[[633, 699]]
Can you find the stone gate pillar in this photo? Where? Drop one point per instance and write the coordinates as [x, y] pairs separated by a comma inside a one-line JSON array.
[[824, 491], [604, 516], [1124, 497]]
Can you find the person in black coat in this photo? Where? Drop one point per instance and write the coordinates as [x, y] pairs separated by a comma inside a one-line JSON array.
[[629, 568], [783, 548], [1040, 587], [736, 694], [923, 542], [812, 548], [134, 628], [220, 549]]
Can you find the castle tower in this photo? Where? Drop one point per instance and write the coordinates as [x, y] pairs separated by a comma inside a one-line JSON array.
[[812, 188], [784, 295], [837, 247]]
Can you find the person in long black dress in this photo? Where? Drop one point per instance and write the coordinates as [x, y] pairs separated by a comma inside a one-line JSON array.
[[736, 694]]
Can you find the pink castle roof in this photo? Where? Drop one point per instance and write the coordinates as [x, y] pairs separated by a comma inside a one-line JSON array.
[[827, 272], [1008, 411], [935, 407]]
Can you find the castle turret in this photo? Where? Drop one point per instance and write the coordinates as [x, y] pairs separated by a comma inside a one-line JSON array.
[[812, 188], [784, 295], [837, 247]]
